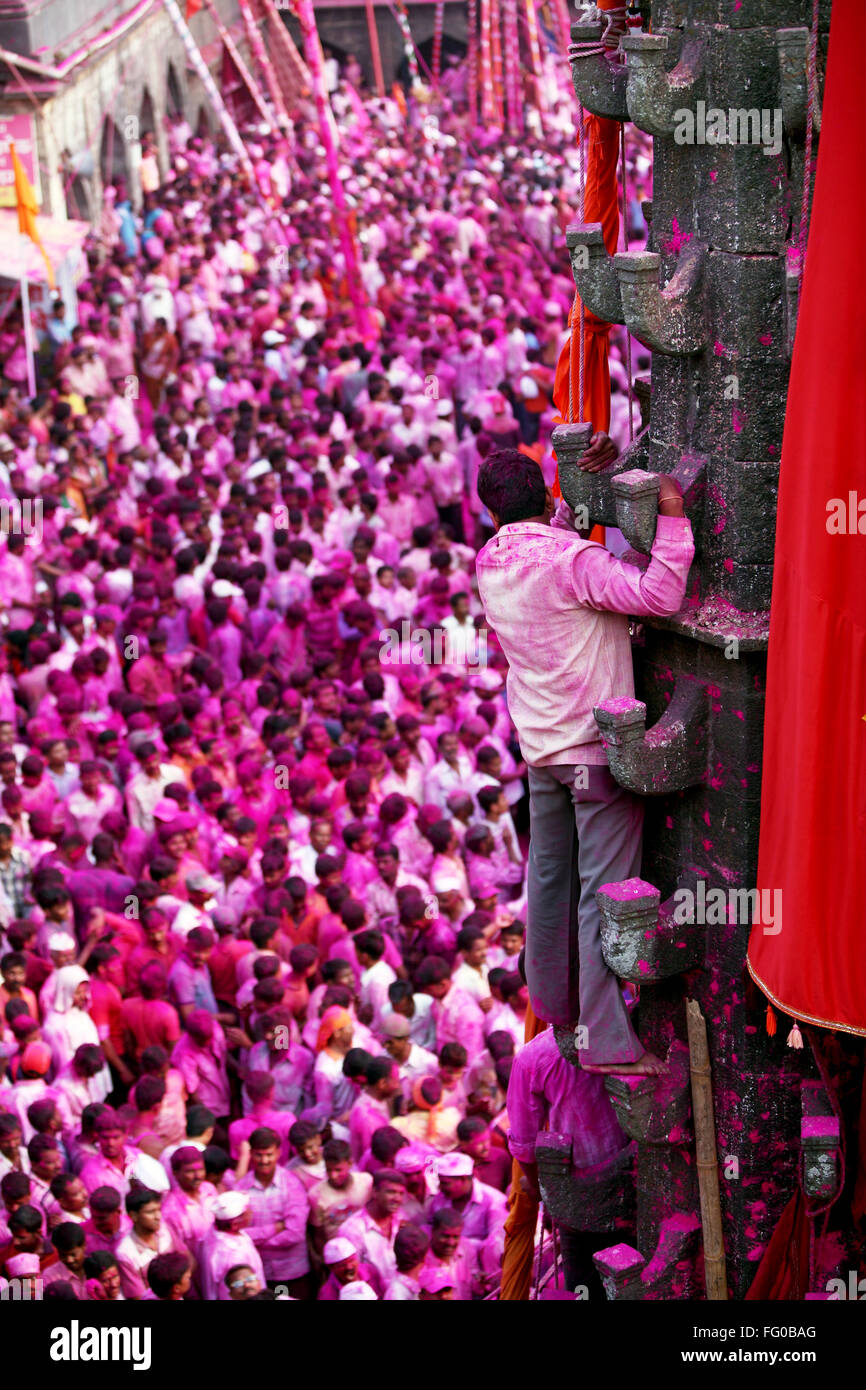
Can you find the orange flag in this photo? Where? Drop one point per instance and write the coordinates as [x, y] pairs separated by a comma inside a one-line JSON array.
[[27, 209]]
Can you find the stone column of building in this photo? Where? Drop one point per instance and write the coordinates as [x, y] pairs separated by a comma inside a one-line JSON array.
[[714, 296]]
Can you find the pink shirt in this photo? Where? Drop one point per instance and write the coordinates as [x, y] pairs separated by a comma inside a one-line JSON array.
[[204, 1071], [559, 607], [459, 1019], [220, 1251], [368, 1115], [283, 1253], [188, 1218]]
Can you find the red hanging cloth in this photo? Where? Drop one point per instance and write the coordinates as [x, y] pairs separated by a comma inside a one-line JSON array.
[[813, 820]]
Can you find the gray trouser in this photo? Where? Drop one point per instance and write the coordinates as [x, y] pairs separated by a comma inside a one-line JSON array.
[[581, 838]]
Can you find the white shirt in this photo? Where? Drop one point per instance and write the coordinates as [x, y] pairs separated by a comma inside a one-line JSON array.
[[374, 989]]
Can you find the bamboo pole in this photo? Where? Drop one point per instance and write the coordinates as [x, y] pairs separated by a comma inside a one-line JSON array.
[[708, 1162]]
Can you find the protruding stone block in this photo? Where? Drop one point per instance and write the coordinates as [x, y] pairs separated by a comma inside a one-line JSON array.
[[599, 79], [592, 493], [655, 1109], [636, 495], [640, 940], [670, 320], [654, 95], [792, 46], [627, 1278], [601, 1198], [670, 756], [671, 1273], [819, 1138], [593, 271], [620, 1268]]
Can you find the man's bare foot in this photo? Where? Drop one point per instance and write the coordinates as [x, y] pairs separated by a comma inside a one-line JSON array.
[[647, 1065]]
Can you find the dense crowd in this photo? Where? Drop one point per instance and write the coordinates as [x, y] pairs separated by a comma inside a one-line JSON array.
[[262, 838]]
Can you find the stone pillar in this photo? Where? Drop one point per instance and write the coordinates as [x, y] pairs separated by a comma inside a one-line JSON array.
[[713, 296]]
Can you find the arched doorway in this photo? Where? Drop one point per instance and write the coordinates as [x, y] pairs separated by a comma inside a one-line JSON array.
[[146, 116], [112, 154], [173, 94]]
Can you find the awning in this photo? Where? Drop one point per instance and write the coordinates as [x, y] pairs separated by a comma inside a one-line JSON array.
[[20, 258]]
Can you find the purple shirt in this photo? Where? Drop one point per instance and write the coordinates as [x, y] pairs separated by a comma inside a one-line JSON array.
[[547, 1092]]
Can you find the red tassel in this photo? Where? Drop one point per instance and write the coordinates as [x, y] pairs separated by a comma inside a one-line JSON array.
[[771, 1021]]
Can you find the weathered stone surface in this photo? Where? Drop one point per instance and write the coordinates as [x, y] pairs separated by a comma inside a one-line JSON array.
[[640, 941], [636, 499], [619, 1268], [593, 271], [716, 298], [671, 1273], [670, 319], [599, 80], [655, 1109], [589, 1199], [819, 1136], [669, 756]]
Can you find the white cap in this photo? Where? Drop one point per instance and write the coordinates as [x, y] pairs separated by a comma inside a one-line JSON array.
[[358, 1292], [61, 941], [230, 1205], [455, 1165], [338, 1249], [445, 881]]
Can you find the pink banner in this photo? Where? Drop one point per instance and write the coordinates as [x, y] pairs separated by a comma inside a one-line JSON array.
[[21, 129]]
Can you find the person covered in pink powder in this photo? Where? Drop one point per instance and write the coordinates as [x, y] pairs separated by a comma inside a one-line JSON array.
[[559, 605]]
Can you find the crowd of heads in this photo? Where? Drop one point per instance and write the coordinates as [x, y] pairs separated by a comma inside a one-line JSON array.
[[262, 826]]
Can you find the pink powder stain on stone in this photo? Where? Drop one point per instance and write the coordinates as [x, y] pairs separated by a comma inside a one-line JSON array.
[[737, 420], [719, 348], [739, 714], [771, 449], [729, 566], [706, 817], [820, 1127], [714, 174], [621, 1257], [707, 844], [624, 705], [669, 822], [677, 239], [628, 889], [766, 339]]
